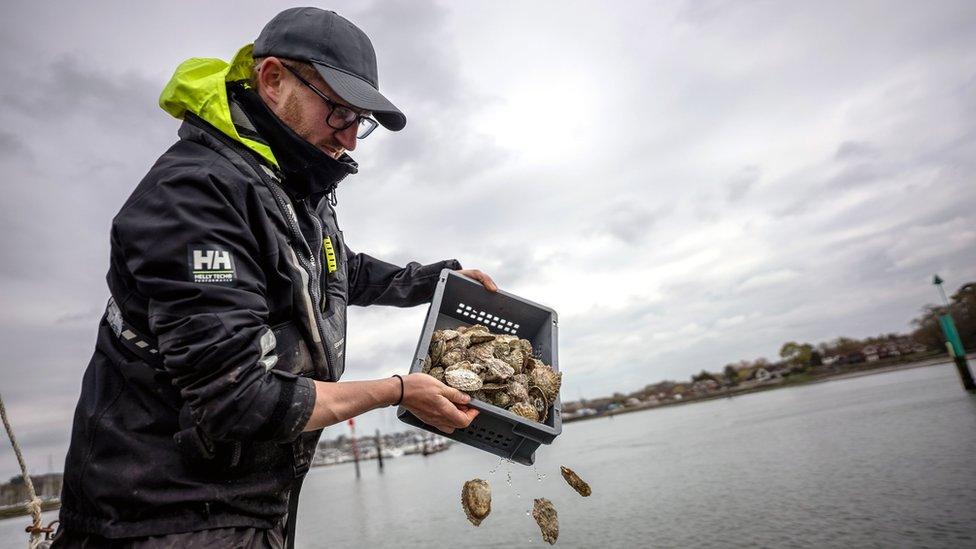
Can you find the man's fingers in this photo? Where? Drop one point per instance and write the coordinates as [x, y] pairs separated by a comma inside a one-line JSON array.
[[456, 396], [471, 413], [487, 282], [481, 277]]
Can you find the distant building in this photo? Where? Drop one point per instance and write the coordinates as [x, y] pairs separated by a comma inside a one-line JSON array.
[[15, 491], [762, 374]]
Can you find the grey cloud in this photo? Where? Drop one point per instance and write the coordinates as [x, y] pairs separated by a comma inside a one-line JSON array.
[[855, 150], [68, 86], [742, 181], [420, 70], [12, 146], [630, 221]]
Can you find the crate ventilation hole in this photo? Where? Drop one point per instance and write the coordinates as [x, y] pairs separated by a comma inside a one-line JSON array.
[[497, 440], [487, 318]]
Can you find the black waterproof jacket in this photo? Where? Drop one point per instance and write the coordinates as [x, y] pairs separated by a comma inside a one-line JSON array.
[[229, 290]]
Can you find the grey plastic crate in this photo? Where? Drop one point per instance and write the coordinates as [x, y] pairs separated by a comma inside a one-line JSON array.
[[458, 301]]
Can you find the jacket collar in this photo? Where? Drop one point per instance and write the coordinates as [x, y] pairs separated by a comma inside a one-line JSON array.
[[307, 171]]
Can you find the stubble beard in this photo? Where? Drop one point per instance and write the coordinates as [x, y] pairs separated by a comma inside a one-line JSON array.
[[293, 115]]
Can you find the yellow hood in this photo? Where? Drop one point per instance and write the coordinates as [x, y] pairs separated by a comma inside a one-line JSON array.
[[199, 86]]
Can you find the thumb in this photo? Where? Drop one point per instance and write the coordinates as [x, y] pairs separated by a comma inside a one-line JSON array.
[[456, 396]]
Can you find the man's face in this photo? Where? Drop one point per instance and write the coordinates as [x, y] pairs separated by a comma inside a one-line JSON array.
[[302, 110]]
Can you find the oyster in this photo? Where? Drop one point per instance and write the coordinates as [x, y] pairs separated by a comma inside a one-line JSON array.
[[538, 400], [548, 380], [437, 373], [525, 410], [517, 391], [545, 516], [481, 352], [463, 379], [466, 365], [501, 399], [498, 370], [476, 500], [452, 357], [575, 481], [532, 364], [515, 359], [437, 350], [444, 335], [521, 379], [481, 338]]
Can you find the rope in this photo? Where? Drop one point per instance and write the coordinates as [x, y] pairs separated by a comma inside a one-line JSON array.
[[34, 505]]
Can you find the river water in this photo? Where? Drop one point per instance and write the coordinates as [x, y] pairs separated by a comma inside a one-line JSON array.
[[884, 460]]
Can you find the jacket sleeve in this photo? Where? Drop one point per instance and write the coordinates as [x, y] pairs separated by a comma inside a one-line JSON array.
[[188, 246], [376, 282]]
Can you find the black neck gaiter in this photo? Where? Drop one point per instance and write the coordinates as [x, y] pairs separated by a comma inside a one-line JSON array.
[[307, 169]]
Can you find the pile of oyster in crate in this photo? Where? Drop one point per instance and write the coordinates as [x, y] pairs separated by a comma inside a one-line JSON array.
[[495, 368]]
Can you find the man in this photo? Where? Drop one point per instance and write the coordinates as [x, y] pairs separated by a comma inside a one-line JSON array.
[[217, 362]]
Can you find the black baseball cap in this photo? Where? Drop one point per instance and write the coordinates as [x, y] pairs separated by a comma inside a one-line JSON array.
[[339, 50]]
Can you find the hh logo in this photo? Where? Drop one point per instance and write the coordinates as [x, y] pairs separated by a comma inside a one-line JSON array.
[[210, 264]]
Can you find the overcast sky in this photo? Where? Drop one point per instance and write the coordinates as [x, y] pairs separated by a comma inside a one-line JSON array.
[[687, 183]]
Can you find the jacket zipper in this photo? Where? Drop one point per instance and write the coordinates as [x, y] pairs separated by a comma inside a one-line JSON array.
[[314, 274]]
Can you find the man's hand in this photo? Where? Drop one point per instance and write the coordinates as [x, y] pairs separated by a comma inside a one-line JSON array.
[[481, 277], [437, 404]]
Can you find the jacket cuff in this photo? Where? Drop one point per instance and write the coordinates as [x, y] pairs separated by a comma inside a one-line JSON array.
[[294, 408]]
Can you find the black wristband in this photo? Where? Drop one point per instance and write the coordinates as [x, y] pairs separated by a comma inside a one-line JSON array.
[[399, 400]]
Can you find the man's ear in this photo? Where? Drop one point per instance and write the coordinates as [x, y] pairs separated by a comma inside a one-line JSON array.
[[271, 80]]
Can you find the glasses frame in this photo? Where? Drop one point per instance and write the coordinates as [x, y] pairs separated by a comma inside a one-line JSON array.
[[366, 123]]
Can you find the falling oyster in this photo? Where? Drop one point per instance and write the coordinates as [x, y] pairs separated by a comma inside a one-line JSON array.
[[476, 500], [545, 516], [575, 481]]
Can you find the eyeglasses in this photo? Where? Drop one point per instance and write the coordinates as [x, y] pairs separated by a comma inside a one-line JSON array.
[[341, 116]]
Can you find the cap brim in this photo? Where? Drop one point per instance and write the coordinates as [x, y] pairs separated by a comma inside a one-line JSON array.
[[360, 94]]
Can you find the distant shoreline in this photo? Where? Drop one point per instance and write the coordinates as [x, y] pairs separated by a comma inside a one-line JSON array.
[[821, 378]]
